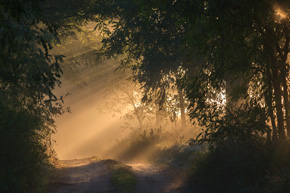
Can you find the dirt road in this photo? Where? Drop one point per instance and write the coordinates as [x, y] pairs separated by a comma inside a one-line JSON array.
[[156, 179], [93, 176], [81, 176]]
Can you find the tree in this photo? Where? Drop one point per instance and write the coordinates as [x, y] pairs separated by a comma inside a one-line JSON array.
[[28, 75], [235, 55], [246, 45], [240, 48], [28, 72], [150, 38]]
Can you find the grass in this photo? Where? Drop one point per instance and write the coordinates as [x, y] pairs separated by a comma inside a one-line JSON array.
[[122, 178]]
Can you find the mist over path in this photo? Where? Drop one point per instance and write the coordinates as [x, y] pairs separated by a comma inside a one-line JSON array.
[[81, 176], [156, 179], [90, 175]]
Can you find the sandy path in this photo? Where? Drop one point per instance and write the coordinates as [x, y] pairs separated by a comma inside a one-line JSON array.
[[156, 179], [81, 176], [92, 176]]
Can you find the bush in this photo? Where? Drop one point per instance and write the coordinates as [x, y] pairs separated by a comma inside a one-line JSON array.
[[245, 168], [140, 145], [180, 156], [24, 151], [156, 145], [123, 178]]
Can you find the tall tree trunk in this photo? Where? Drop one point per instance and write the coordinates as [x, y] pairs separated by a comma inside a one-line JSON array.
[[269, 102], [286, 100], [274, 68], [279, 107], [284, 55]]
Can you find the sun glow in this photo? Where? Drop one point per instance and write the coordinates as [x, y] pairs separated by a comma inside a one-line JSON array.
[[280, 14]]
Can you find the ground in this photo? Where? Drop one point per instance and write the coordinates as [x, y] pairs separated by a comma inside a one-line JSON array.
[[91, 175], [81, 176]]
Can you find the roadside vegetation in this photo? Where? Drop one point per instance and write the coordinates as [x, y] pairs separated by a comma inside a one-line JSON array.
[[244, 168], [122, 178], [28, 74]]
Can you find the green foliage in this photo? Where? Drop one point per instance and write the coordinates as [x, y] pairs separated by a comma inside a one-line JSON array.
[[235, 57], [145, 33], [243, 54], [162, 146], [122, 178], [24, 151], [236, 47], [69, 16], [28, 75], [247, 123], [140, 145], [28, 72], [181, 156], [237, 167]]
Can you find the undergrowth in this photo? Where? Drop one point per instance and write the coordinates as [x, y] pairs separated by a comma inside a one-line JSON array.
[[122, 178], [153, 145], [25, 153], [245, 168]]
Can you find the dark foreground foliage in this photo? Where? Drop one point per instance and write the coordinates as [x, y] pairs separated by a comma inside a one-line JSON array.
[[24, 146], [245, 168], [28, 75]]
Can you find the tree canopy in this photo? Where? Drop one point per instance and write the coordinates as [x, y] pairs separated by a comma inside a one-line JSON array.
[[239, 48], [28, 75]]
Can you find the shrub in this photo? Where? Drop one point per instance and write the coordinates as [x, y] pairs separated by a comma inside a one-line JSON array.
[[123, 178], [140, 145], [245, 168], [24, 151]]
